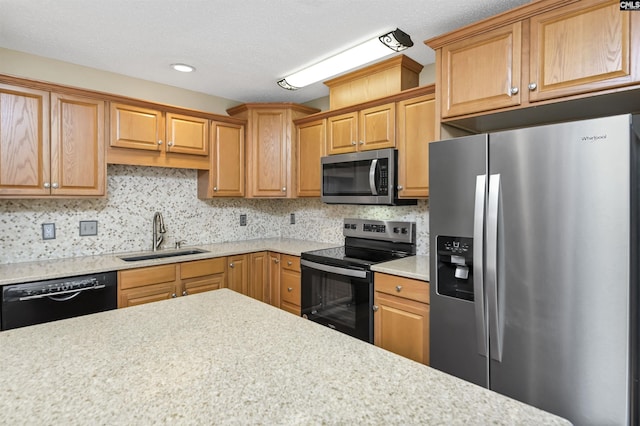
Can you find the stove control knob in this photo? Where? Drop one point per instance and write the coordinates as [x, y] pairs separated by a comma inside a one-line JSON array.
[[396, 230]]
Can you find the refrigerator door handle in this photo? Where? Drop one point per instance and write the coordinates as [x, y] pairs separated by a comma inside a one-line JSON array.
[[495, 330], [478, 269]]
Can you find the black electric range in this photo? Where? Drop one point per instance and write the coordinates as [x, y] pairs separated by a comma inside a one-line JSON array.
[[337, 283]]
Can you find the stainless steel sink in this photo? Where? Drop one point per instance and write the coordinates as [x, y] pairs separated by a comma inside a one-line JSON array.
[[160, 255]]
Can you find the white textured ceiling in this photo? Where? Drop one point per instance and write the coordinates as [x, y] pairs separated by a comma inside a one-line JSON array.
[[239, 47]]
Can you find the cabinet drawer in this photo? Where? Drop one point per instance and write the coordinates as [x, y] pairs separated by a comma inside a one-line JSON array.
[[200, 268], [402, 287], [202, 284], [290, 287], [145, 276], [146, 294], [291, 263]]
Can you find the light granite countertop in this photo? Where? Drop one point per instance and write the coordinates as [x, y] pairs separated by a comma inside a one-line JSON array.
[[11, 273], [222, 358], [416, 267]]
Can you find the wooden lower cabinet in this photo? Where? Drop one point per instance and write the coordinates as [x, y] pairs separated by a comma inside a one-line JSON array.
[[238, 273], [154, 283], [274, 278], [401, 316], [258, 286], [290, 284]]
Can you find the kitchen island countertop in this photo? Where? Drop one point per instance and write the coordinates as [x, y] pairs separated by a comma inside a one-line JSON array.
[[222, 358]]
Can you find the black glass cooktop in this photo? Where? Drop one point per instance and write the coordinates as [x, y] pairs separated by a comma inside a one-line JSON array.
[[359, 257]]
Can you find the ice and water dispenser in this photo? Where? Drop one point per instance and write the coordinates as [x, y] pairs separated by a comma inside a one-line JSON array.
[[455, 267]]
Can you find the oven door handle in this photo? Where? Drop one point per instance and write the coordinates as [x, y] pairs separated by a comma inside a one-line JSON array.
[[334, 269]]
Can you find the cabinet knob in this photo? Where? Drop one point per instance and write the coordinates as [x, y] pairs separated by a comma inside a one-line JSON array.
[[361, 142], [353, 142], [398, 288], [184, 293], [289, 289], [276, 260], [174, 295], [170, 143], [532, 86], [54, 185], [160, 142], [284, 189], [231, 265], [47, 185], [400, 187], [215, 189], [514, 90], [375, 308], [289, 262]]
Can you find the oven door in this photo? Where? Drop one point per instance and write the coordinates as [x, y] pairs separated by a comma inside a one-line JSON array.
[[338, 297]]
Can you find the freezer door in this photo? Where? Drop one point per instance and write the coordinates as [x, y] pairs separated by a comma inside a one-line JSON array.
[[458, 344], [559, 331]]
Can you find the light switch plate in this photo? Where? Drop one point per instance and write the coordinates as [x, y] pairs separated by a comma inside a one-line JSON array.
[[48, 231], [88, 227], [292, 219]]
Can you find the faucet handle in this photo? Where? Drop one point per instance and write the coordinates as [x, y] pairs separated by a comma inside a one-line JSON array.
[[179, 243]]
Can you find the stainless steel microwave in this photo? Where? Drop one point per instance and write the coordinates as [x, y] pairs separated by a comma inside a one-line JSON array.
[[368, 177]]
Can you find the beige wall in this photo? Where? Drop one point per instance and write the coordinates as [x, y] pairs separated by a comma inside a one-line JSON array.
[[21, 64]]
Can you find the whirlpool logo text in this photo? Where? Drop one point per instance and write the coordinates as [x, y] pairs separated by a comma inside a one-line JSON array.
[[595, 138]]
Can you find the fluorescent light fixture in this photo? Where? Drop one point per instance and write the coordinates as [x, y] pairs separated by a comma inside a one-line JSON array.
[[183, 67], [369, 51]]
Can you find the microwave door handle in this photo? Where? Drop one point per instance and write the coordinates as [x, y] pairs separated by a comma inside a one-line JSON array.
[[372, 177]]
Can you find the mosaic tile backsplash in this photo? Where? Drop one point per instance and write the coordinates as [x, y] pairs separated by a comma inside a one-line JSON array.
[[135, 193]]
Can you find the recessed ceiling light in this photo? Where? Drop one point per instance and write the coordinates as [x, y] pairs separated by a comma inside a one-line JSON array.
[[183, 67]]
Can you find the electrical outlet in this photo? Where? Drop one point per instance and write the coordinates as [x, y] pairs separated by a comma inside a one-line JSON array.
[[292, 218], [243, 220], [48, 231], [88, 227]]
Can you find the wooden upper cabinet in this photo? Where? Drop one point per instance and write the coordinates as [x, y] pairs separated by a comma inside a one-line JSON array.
[[343, 133], [226, 175], [377, 127], [415, 130], [24, 141], [483, 72], [137, 128], [595, 41], [370, 128], [537, 54], [187, 135], [271, 148], [311, 148], [51, 144], [77, 146]]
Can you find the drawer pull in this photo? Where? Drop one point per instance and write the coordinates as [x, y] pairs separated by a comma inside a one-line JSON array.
[[289, 289], [174, 295], [289, 263], [184, 293], [398, 288], [231, 265]]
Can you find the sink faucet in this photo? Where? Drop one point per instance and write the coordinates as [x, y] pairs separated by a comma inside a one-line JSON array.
[[158, 228]]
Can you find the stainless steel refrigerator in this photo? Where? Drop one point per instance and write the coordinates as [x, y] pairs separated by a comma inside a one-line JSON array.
[[534, 259]]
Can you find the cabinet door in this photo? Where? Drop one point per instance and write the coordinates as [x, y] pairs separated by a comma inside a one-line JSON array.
[[343, 133], [595, 41], [377, 127], [187, 135], [78, 165], [402, 326], [482, 73], [268, 163], [238, 273], [258, 286], [136, 128], [203, 275], [311, 147], [227, 160], [416, 128], [274, 279], [24, 141], [290, 284]]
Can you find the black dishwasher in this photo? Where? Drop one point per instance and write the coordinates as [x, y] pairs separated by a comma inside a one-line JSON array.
[[43, 301]]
